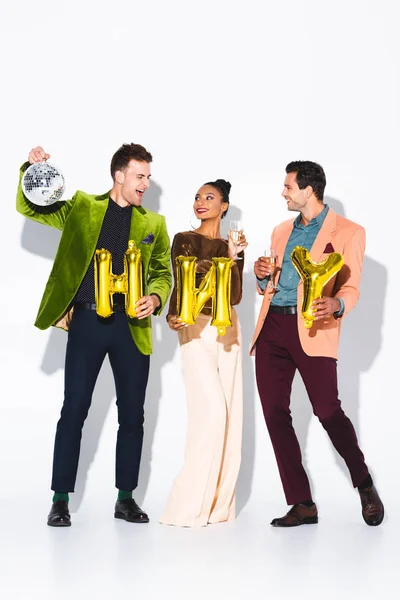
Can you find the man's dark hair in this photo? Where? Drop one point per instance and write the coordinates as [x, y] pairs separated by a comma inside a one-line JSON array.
[[125, 154], [309, 173]]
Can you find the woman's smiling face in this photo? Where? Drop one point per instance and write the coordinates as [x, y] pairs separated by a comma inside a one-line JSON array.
[[208, 203]]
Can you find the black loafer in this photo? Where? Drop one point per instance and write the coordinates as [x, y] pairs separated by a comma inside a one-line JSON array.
[[59, 515], [129, 511]]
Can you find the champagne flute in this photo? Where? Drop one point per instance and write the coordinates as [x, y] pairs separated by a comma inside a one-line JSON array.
[[271, 257], [235, 233]]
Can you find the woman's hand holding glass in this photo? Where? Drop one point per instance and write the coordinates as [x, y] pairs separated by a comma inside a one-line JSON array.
[[236, 241]]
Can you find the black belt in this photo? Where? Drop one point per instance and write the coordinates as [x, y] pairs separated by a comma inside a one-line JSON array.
[[283, 310], [92, 306]]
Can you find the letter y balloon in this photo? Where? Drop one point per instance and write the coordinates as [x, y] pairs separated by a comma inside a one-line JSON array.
[[314, 277]]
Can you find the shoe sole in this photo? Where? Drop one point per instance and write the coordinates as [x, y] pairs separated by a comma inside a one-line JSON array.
[[308, 521], [59, 524], [378, 522], [118, 515]]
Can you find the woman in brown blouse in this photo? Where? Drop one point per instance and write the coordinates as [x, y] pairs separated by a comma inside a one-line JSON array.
[[204, 491]]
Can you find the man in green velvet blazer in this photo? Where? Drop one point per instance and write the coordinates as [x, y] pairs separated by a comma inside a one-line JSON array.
[[88, 223]]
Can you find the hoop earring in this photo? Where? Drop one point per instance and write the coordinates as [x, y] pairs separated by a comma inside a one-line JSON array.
[[193, 216]]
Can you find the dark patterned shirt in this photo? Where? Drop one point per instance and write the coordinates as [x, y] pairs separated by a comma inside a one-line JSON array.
[[114, 237]]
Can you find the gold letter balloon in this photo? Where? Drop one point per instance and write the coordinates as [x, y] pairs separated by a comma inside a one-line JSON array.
[[130, 283], [314, 277], [216, 285]]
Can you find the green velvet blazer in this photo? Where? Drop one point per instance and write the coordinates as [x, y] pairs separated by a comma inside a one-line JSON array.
[[80, 220]]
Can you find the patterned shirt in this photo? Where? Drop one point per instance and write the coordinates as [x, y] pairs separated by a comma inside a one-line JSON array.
[[114, 237]]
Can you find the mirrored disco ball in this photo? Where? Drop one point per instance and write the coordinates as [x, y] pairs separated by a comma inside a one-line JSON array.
[[43, 183]]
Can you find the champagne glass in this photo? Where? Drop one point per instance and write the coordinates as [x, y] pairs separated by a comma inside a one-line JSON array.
[[235, 233], [272, 258]]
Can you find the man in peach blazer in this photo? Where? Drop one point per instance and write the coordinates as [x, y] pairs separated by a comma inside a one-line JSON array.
[[282, 344]]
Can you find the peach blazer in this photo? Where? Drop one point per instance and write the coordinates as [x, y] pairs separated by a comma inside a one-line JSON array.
[[345, 237]]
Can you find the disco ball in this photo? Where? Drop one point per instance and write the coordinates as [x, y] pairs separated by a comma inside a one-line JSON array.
[[43, 183]]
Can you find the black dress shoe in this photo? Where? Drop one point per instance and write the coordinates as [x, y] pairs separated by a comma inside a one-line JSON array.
[[59, 515], [129, 511], [299, 514], [372, 507]]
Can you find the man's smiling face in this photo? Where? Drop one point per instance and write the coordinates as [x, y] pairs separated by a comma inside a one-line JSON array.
[[296, 199], [134, 181]]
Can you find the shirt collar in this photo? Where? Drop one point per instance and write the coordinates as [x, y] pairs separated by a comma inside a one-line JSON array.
[[316, 221], [117, 208]]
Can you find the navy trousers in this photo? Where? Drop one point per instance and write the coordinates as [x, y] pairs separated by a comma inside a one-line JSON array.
[[90, 338]]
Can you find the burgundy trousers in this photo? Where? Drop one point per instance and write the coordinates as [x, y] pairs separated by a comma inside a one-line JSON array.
[[278, 355]]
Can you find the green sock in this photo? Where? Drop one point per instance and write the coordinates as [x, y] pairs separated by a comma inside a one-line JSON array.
[[60, 496], [124, 495]]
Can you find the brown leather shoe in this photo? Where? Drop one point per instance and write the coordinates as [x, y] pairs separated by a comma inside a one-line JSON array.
[[299, 514], [372, 507]]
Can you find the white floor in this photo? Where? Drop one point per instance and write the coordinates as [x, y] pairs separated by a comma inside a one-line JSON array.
[[101, 557]]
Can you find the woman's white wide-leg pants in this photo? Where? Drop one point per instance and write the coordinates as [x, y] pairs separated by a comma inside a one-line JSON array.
[[204, 491]]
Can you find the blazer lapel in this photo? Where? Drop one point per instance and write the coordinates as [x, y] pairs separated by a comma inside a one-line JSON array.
[[139, 224], [98, 210], [324, 236]]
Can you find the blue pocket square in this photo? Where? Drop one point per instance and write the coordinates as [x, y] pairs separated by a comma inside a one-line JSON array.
[[148, 240]]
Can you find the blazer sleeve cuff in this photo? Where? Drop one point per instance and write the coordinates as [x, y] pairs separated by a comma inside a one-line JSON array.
[[340, 312], [159, 308], [262, 283]]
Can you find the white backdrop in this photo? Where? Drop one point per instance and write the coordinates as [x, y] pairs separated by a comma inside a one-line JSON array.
[[218, 89]]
